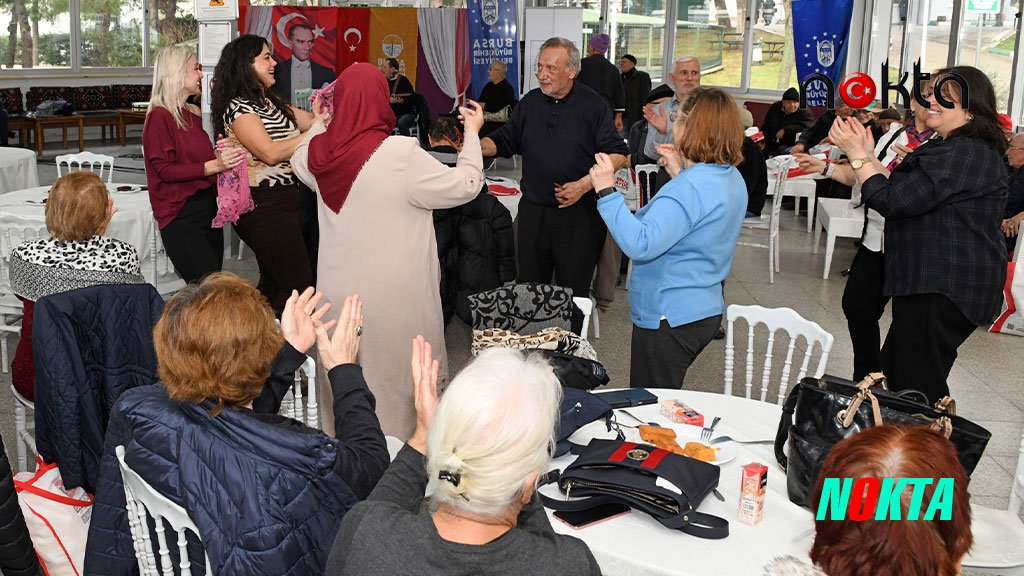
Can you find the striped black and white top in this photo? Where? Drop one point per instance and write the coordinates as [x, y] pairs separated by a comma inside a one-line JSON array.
[[278, 127]]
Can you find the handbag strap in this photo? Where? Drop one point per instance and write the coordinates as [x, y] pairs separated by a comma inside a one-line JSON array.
[[20, 486], [847, 414], [785, 423], [946, 404]]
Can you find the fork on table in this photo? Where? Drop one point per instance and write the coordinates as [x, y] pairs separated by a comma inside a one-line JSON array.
[[705, 433]]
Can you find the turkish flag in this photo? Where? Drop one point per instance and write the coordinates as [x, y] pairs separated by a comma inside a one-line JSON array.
[[353, 36]]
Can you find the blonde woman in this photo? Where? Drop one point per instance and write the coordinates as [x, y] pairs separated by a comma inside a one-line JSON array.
[[181, 166]]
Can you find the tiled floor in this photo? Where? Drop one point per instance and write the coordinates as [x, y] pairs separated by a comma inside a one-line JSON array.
[[986, 380]]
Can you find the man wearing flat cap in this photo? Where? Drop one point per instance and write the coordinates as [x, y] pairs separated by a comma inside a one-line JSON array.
[[637, 85], [783, 122], [602, 77]]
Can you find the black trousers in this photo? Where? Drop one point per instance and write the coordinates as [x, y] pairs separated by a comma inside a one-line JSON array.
[[309, 223], [565, 242], [660, 358], [863, 304], [194, 247], [273, 232], [921, 346]]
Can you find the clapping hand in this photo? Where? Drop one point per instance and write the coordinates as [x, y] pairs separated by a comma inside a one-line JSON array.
[[343, 345], [901, 152], [602, 174], [300, 317], [472, 116], [852, 137], [671, 158], [424, 382], [656, 117]]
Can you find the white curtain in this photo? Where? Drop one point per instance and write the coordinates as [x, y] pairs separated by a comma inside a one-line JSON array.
[[438, 27], [258, 21]]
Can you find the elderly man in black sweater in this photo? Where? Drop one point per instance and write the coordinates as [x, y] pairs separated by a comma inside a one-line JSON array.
[[783, 122], [558, 129]]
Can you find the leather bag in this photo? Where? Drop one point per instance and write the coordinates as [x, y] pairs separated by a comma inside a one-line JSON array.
[[818, 413], [667, 486]]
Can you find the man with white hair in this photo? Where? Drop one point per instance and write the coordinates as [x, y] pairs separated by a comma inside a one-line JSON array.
[[684, 78], [558, 128]]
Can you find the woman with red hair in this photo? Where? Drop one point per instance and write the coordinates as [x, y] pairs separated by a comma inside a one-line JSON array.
[[932, 547]]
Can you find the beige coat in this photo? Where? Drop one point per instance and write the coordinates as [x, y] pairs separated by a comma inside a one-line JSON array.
[[381, 246]]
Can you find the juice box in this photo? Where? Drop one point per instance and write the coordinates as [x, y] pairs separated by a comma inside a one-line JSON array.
[[752, 484], [679, 412]]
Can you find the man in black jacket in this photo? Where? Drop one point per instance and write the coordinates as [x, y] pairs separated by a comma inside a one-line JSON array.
[[602, 77], [783, 122], [637, 85], [497, 98]]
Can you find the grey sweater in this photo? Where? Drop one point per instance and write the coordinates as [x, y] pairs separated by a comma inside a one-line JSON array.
[[388, 535]]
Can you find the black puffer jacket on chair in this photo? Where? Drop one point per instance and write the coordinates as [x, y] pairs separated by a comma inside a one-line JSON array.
[[17, 557]]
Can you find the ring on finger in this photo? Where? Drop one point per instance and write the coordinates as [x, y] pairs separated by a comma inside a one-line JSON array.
[[359, 330]]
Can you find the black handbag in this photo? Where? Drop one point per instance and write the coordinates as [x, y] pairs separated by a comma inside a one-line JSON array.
[[818, 413], [638, 475], [578, 408], [576, 372]]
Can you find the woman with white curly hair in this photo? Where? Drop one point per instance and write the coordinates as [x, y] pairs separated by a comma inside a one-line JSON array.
[[480, 450]]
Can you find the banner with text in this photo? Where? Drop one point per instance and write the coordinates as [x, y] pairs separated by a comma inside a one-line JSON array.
[[393, 34], [821, 31], [493, 35]]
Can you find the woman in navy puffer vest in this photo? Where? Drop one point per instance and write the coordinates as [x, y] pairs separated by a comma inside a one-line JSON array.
[[266, 492]]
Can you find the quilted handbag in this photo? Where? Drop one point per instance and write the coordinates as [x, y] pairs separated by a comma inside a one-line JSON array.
[[667, 486], [819, 413]]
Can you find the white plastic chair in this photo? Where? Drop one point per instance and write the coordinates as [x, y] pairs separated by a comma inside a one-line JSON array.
[[998, 534], [11, 309], [774, 319], [779, 165], [23, 439], [103, 161], [157, 257], [586, 305], [143, 502], [643, 184], [292, 405]]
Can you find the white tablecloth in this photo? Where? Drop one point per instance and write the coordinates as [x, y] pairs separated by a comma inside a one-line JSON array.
[[133, 223], [17, 169], [638, 544]]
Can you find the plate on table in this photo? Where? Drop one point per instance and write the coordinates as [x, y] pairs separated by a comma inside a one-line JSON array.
[[130, 188], [727, 451]]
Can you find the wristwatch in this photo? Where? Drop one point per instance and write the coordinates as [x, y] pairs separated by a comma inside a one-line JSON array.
[[859, 162], [606, 191]]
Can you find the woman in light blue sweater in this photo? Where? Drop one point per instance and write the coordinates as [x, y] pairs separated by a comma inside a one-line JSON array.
[[682, 242]]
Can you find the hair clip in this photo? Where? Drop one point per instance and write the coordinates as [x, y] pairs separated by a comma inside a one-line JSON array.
[[454, 478]]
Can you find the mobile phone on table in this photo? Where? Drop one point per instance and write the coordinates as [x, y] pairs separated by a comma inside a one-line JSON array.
[[627, 397], [590, 516]]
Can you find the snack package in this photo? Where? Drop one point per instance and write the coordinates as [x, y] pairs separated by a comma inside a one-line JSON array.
[[680, 413], [752, 488]]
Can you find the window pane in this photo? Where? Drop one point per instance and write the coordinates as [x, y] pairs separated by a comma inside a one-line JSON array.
[[111, 33], [897, 27], [998, 41], [637, 28], [44, 38], [172, 22], [712, 30], [928, 29], [773, 63]]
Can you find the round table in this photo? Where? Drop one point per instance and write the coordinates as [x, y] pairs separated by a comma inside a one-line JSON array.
[[133, 223], [17, 169], [637, 544]]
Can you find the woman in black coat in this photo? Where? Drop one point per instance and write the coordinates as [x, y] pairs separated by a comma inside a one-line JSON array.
[[17, 557]]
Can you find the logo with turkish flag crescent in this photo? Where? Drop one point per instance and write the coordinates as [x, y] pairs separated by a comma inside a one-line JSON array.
[[308, 34]]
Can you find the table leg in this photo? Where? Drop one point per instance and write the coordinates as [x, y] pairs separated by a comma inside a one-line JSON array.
[[81, 136], [817, 237], [830, 243], [39, 139], [810, 214], [796, 206], [64, 133], [120, 122]]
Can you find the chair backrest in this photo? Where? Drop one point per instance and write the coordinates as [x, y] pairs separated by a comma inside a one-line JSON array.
[[522, 308], [780, 166], [774, 319], [11, 235], [645, 178], [586, 305], [292, 406], [157, 257], [101, 161], [143, 503]]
